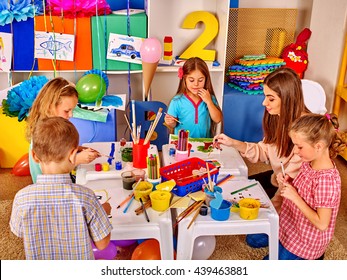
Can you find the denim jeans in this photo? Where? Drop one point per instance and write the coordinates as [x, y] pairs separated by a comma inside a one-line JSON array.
[[261, 240]]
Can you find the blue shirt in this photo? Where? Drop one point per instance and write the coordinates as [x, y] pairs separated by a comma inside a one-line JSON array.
[[193, 117], [58, 219]]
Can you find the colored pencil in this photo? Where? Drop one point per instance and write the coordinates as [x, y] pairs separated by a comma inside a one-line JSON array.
[[225, 179], [139, 210], [129, 203], [282, 167], [248, 187], [125, 200]]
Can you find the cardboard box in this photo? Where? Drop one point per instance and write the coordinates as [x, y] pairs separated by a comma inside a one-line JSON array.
[[83, 42], [116, 24]]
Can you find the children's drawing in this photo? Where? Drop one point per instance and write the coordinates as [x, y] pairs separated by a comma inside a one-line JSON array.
[[5, 51], [199, 146], [58, 46], [114, 101], [124, 48]]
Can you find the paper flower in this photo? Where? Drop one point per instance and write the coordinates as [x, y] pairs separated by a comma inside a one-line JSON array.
[[19, 10], [20, 99], [78, 8]]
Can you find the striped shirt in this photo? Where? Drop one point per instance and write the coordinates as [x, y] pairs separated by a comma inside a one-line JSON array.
[[58, 219], [319, 189]]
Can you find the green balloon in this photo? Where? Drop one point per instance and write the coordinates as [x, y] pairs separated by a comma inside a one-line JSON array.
[[90, 88]]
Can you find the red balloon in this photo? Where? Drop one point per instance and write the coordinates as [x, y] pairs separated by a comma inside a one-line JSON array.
[[21, 168], [147, 250]]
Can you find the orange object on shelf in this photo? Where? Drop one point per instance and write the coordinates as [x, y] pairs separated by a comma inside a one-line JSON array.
[[83, 42]]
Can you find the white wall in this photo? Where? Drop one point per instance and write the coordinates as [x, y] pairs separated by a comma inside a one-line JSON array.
[[328, 25]]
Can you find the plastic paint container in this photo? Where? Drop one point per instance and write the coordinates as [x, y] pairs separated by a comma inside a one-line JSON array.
[[249, 208], [160, 200], [142, 190], [223, 213], [210, 195]]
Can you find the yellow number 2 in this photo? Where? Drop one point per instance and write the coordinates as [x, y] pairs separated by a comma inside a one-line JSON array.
[[210, 32]]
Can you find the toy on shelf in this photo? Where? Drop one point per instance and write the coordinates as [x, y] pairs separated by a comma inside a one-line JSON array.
[[295, 55], [249, 72]]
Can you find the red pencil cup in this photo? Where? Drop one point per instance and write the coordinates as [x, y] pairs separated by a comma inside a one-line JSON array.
[[140, 153]]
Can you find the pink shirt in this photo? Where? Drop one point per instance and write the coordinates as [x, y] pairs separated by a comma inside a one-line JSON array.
[[319, 189]]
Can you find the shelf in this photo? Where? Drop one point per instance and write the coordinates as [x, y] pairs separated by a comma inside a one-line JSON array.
[[342, 92]]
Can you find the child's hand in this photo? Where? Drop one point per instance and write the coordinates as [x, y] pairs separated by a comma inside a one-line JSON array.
[[205, 95], [107, 207], [289, 192], [281, 179], [87, 156], [170, 120]]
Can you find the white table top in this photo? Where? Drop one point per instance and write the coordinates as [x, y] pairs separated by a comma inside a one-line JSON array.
[[86, 172], [230, 159]]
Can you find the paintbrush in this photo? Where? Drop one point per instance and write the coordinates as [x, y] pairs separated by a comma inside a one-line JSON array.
[[176, 120]]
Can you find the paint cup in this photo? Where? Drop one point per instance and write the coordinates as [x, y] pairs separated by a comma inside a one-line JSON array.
[[154, 182], [128, 179], [223, 212], [181, 155], [142, 190], [140, 153], [139, 174], [127, 154], [249, 208], [160, 200], [211, 195]]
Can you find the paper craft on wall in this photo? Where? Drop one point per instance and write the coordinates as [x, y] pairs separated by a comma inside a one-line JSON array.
[[114, 101], [51, 45], [5, 51], [124, 48]]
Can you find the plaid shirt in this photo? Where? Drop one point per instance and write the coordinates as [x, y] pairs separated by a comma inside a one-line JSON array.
[[58, 219], [319, 189]]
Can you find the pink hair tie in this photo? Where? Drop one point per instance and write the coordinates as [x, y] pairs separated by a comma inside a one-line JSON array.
[[180, 73], [328, 116]]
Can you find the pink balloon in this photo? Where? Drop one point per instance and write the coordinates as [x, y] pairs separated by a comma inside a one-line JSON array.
[[150, 50]]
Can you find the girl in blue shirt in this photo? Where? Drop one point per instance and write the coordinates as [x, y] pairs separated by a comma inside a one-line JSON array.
[[195, 104]]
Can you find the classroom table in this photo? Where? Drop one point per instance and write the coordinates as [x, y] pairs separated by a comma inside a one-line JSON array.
[[267, 221], [229, 158], [126, 226]]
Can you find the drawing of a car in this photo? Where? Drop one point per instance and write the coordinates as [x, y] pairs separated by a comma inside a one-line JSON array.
[[127, 50]]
